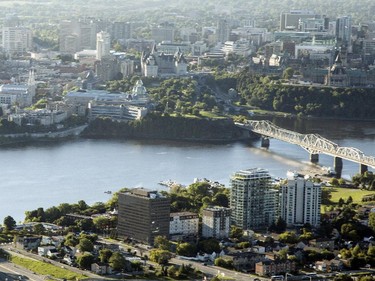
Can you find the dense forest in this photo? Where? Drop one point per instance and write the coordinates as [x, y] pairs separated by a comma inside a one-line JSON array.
[[165, 127], [267, 94]]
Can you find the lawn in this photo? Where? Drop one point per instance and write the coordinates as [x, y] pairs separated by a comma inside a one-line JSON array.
[[344, 193], [44, 268]]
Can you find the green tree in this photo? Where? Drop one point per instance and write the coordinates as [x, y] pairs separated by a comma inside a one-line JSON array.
[[85, 245], [39, 229], [280, 225], [186, 249], [85, 224], [117, 261], [224, 263], [160, 256], [71, 240], [288, 237], [102, 222], [209, 246], [105, 255], [371, 251], [173, 272], [9, 223], [236, 232], [371, 221], [52, 214], [288, 73], [85, 260], [342, 277], [162, 243]]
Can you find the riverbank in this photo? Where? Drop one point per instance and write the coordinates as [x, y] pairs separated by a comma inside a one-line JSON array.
[[158, 127], [19, 138]]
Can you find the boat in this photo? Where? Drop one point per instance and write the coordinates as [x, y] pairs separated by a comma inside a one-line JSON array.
[[108, 192]]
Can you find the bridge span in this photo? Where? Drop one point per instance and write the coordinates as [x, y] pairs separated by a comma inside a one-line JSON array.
[[312, 143]]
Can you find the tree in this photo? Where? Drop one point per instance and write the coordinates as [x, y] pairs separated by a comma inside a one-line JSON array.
[[101, 222], [71, 240], [162, 243], [224, 263], [371, 251], [85, 245], [186, 249], [82, 205], [288, 237], [39, 229], [117, 261], [9, 223], [288, 73], [371, 221], [172, 271], [85, 224], [85, 260], [160, 256], [342, 277], [105, 255], [220, 199], [236, 232], [209, 246], [52, 214], [280, 225], [306, 235]]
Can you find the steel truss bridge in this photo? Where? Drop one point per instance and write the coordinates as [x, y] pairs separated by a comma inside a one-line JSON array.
[[313, 143]]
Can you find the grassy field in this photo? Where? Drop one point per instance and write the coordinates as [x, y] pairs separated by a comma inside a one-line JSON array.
[[344, 193], [43, 268]]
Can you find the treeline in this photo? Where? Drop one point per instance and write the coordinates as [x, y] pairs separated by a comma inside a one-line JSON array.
[[268, 94], [166, 127]]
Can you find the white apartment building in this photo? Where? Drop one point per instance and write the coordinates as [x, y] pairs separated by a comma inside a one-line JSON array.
[[183, 225], [253, 200], [103, 45], [216, 222], [17, 39], [300, 201]]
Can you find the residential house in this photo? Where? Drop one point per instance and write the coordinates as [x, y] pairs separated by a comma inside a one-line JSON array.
[[52, 240], [323, 243], [27, 243], [246, 261], [329, 266], [99, 268], [47, 251]]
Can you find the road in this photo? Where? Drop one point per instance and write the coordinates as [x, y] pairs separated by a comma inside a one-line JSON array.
[[18, 252], [10, 272], [211, 270], [206, 270]]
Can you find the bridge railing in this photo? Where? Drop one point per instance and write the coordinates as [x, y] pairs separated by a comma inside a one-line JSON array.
[[313, 143]]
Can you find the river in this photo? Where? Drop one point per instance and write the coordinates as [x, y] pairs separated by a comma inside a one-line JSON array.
[[46, 174]]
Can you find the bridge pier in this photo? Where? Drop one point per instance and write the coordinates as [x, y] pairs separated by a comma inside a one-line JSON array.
[[337, 165], [265, 142], [314, 157], [363, 169]]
